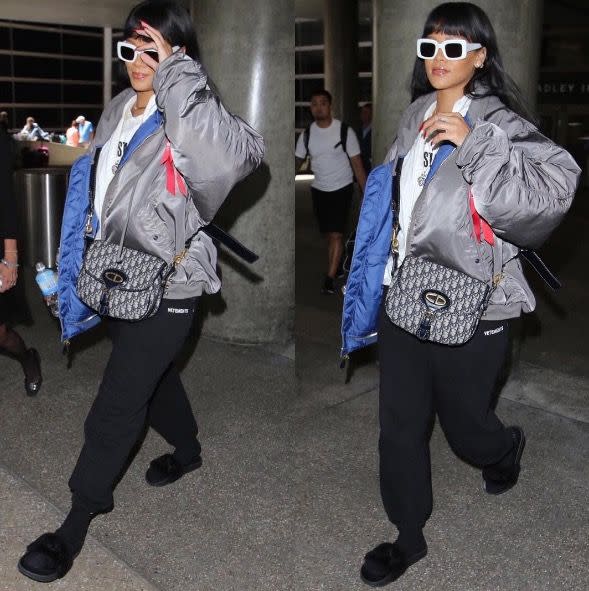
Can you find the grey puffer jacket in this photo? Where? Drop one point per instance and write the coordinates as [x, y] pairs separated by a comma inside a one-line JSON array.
[[523, 185], [212, 150]]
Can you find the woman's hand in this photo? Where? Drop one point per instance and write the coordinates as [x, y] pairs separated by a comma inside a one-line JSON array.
[[8, 275], [445, 127], [164, 49]]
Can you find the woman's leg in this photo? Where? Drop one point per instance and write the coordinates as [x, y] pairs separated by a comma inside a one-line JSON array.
[[12, 344], [465, 381], [170, 414], [142, 352], [406, 416]]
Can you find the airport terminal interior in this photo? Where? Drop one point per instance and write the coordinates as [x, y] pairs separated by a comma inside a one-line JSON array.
[[288, 496]]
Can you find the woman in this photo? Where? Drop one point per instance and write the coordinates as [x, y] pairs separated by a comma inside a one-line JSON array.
[[12, 303], [466, 113], [169, 147], [72, 135]]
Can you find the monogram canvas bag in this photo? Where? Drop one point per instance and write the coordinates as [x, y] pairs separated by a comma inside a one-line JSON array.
[[436, 303], [120, 282]]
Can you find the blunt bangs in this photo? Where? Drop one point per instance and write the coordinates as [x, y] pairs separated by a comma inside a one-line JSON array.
[[459, 19]]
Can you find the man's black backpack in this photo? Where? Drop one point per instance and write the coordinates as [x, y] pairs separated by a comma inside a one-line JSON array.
[[342, 141]]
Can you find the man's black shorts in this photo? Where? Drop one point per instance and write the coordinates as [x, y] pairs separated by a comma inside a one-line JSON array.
[[332, 208]]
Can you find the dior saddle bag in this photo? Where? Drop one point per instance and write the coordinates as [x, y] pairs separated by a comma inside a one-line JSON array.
[[120, 282], [435, 303]]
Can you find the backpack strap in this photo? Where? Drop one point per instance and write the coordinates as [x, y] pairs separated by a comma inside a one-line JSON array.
[[306, 136], [344, 136]]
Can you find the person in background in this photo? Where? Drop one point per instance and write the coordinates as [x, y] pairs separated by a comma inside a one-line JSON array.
[[85, 130], [334, 165], [32, 132], [12, 303], [365, 136], [4, 120], [73, 135]]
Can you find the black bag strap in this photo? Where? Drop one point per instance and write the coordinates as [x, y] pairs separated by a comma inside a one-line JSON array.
[[343, 138], [91, 194], [534, 260], [230, 242]]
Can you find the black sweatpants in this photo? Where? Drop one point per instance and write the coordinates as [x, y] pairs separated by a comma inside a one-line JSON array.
[[140, 383], [419, 380]]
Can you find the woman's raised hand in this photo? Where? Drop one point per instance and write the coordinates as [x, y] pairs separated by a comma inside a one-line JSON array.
[[164, 49], [445, 127]]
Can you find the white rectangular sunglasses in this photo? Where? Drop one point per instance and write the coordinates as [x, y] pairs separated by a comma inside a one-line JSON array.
[[453, 49], [127, 52]]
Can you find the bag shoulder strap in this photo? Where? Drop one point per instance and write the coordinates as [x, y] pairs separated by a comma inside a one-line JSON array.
[[395, 209], [88, 227]]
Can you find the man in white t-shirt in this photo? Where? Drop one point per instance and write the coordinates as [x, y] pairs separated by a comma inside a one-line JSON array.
[[335, 159]]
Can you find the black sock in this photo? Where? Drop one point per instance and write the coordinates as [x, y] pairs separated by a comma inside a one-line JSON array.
[[411, 540], [186, 456], [75, 527]]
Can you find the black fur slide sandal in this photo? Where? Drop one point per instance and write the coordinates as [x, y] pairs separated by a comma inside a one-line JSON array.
[[46, 559]]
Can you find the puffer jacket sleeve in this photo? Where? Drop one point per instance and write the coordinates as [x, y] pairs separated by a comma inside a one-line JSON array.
[[523, 184], [212, 148]]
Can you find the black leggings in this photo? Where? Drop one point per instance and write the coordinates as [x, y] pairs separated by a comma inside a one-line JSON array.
[[419, 380], [140, 383]]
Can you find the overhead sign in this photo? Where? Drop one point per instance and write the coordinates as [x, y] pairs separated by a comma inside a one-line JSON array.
[[569, 87]]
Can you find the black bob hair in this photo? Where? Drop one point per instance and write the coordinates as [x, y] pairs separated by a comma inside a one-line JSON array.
[[324, 93], [169, 18], [464, 19]]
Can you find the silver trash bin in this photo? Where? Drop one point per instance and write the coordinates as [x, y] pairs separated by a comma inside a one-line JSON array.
[[40, 195]]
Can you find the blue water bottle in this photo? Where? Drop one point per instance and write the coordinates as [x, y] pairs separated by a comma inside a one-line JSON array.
[[47, 281]]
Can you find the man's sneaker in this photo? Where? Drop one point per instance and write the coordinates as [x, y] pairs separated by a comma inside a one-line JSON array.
[[499, 478], [328, 285]]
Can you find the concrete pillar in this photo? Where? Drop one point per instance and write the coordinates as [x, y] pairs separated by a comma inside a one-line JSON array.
[[397, 25], [248, 50], [341, 57], [107, 65]]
